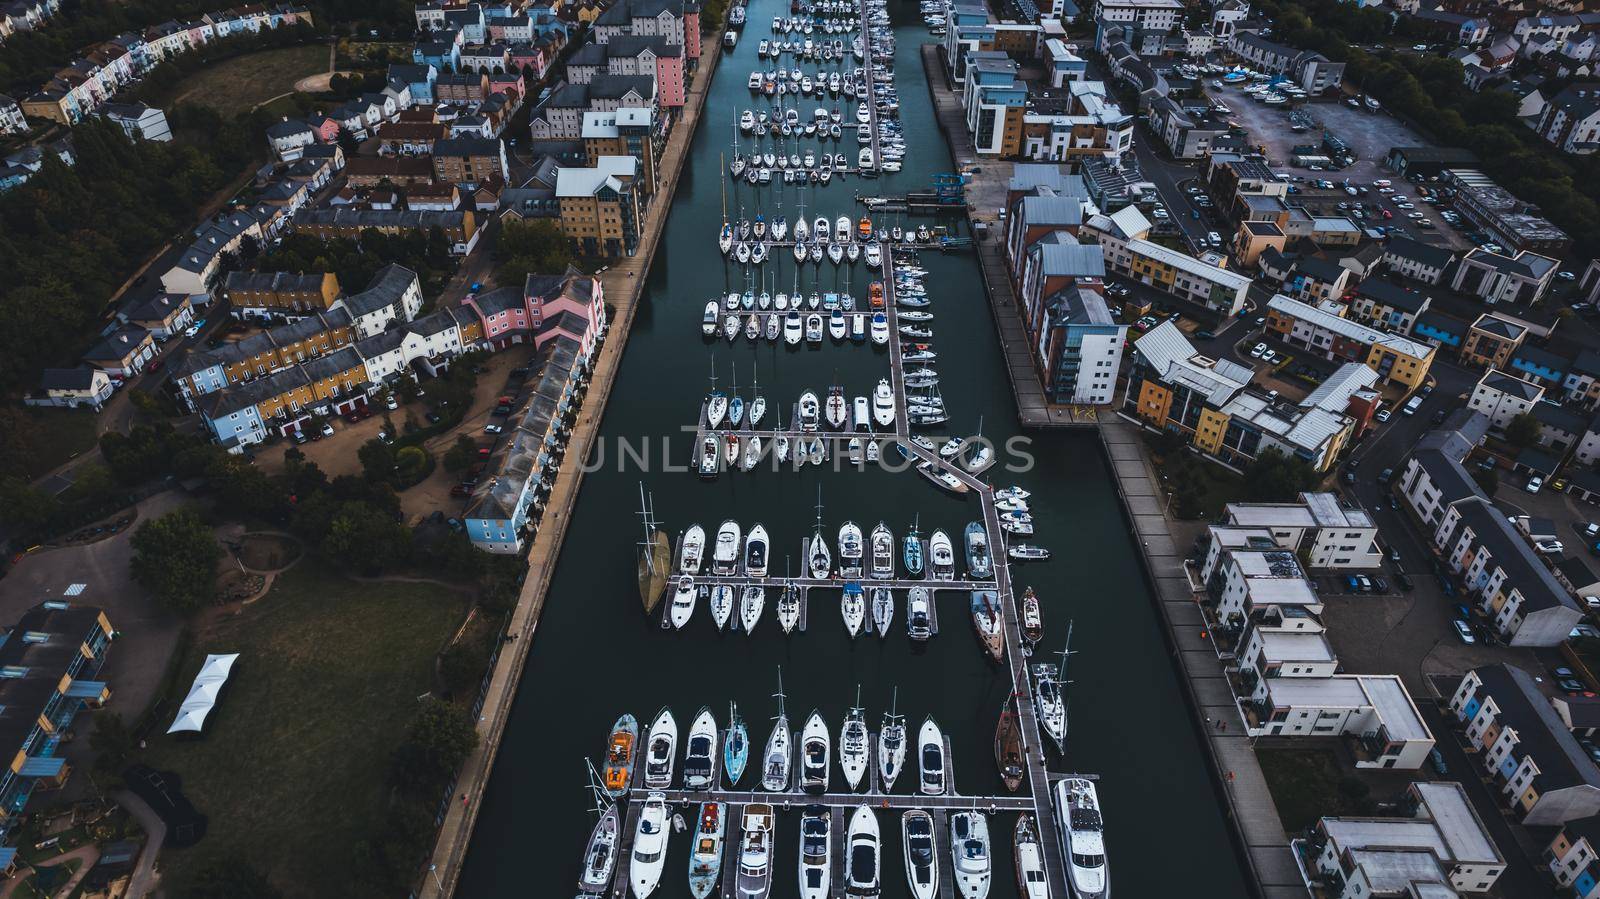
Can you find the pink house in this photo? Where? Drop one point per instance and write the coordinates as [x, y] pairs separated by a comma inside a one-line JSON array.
[[532, 60], [326, 129], [572, 304], [506, 82], [669, 76], [504, 313]]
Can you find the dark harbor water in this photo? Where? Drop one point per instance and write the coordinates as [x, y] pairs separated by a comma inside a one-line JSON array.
[[597, 656]]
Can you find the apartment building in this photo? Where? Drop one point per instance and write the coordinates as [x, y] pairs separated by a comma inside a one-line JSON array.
[[1323, 329], [1282, 641], [1077, 122], [1387, 305], [1498, 278], [1374, 711], [1512, 223], [1436, 849], [995, 103], [1491, 341], [1501, 397], [459, 227], [1246, 574], [270, 294], [1176, 273], [626, 132], [1416, 260], [469, 162], [1323, 531], [600, 206], [1573, 857], [1151, 15], [1535, 764], [1079, 348]]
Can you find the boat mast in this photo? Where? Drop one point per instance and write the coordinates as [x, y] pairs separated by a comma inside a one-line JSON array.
[[648, 515], [596, 792], [779, 695], [1062, 682]]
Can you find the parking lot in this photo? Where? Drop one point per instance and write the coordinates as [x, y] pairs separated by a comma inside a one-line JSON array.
[[1369, 135]]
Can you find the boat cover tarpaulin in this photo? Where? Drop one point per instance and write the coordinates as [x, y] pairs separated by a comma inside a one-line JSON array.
[[203, 695]]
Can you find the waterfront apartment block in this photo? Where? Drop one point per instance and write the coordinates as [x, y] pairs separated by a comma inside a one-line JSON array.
[[995, 101], [1172, 387], [1079, 348], [601, 214], [50, 662], [1373, 711], [1321, 529], [1438, 847], [1286, 641], [1541, 773], [1324, 330], [1076, 122], [626, 132], [1247, 574], [1179, 274]]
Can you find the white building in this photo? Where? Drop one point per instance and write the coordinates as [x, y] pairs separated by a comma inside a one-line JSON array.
[[1288, 644], [1246, 574], [138, 121], [1376, 710], [1154, 15], [1439, 850], [1325, 533], [1502, 397]]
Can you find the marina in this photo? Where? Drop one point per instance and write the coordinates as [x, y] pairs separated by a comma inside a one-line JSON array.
[[631, 664]]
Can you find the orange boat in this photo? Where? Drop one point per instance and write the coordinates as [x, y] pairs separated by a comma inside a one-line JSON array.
[[864, 228], [875, 294], [620, 755]]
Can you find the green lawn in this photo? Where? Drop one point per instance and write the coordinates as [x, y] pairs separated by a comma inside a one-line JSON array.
[[238, 84], [58, 435], [292, 768], [1305, 785]]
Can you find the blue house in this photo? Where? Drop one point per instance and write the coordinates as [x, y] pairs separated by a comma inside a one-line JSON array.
[[1547, 367], [419, 77], [1439, 329]]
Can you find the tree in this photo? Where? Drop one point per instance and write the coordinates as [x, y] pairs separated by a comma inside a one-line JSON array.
[[26, 507], [364, 536], [231, 878], [1274, 477], [112, 742], [377, 461], [438, 741], [461, 455], [530, 247], [412, 464], [1487, 479], [1523, 430], [175, 557]]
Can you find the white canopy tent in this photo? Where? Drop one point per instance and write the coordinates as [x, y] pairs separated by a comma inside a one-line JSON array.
[[203, 695]]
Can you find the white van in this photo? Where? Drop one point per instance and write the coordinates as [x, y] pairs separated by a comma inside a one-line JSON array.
[[1412, 405]]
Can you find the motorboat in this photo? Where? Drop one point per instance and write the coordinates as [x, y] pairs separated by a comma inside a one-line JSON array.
[[836, 253], [916, 838], [874, 253], [854, 608], [930, 758], [820, 228], [600, 855], [1012, 493], [1027, 552], [1019, 527], [621, 752], [721, 605], [660, 748], [789, 607], [856, 451], [919, 614], [1008, 747], [799, 251], [708, 457], [837, 326], [1032, 618], [816, 253], [691, 550], [708, 323], [754, 879], [882, 552], [986, 622], [1028, 853], [834, 410], [773, 326], [699, 757], [725, 555], [858, 327], [853, 749], [705, 856], [860, 414], [841, 229], [863, 864], [816, 852], [736, 747], [649, 847], [851, 550], [943, 556], [793, 330], [755, 552], [813, 328], [952, 447], [852, 253], [1077, 810], [815, 755], [891, 748], [979, 564], [969, 852], [751, 604], [810, 411], [682, 608], [883, 402], [752, 328], [780, 448], [882, 610], [1049, 705], [717, 405]]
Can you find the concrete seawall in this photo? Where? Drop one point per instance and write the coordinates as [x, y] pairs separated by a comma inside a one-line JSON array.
[[623, 283]]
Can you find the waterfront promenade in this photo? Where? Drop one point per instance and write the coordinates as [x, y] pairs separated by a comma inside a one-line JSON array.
[[623, 282], [1258, 829]]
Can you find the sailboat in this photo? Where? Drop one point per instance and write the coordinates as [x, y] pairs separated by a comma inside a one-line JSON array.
[[1049, 695], [600, 854], [735, 404], [1032, 620], [758, 406], [721, 601], [819, 559], [882, 610], [891, 744], [775, 760], [1008, 747], [750, 606], [655, 556], [853, 750], [789, 607], [986, 622], [716, 400], [736, 749], [854, 608]]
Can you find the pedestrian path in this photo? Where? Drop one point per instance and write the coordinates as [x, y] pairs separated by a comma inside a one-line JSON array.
[[1250, 808]]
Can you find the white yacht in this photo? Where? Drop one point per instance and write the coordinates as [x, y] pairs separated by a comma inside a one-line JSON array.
[[600, 856], [754, 880], [930, 756], [793, 330], [1077, 810], [853, 748], [863, 863], [659, 751], [755, 552], [750, 607], [810, 411], [882, 610], [916, 837], [815, 755], [1029, 856], [969, 851], [691, 550], [775, 761], [816, 852], [942, 556], [700, 752], [883, 404], [708, 323], [649, 847], [725, 555], [882, 565], [891, 748], [854, 608], [880, 328], [682, 603], [841, 229], [721, 605], [850, 550]]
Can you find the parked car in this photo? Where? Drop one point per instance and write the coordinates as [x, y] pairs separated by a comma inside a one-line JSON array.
[[391, 402], [492, 428], [1436, 758], [1464, 632], [1403, 581], [1384, 415], [327, 429], [1534, 483], [1549, 546], [1379, 585]]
